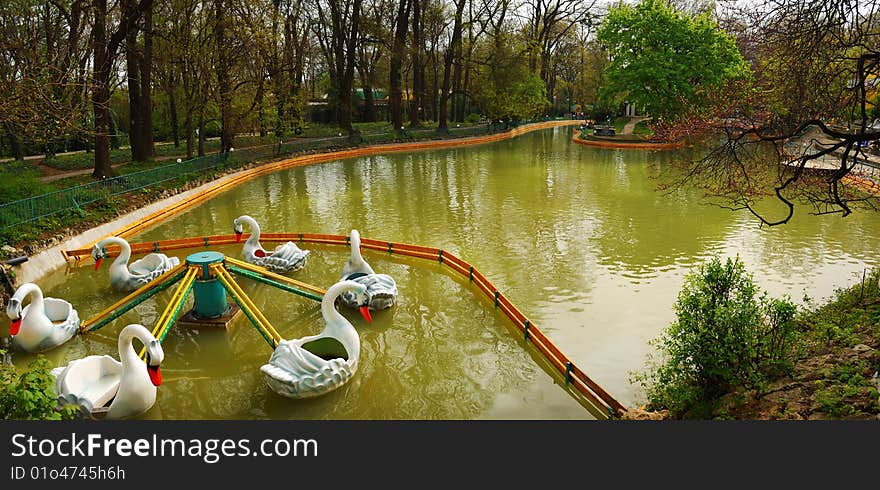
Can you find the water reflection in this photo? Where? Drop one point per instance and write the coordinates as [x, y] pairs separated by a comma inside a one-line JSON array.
[[577, 237]]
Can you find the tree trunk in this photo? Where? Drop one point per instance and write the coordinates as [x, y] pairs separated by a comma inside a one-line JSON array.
[[132, 65], [463, 101], [101, 92], [146, 74], [201, 143], [395, 95], [172, 108], [369, 103], [295, 107], [224, 88], [345, 57], [418, 85], [188, 127], [366, 75], [114, 133], [276, 73], [261, 111], [435, 83], [448, 61], [14, 144]]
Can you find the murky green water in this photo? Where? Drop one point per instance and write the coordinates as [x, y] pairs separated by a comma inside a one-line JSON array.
[[577, 237]]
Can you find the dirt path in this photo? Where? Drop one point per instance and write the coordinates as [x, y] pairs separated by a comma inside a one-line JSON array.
[[630, 126], [53, 174]]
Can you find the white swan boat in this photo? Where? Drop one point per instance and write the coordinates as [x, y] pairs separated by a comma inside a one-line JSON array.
[[125, 277], [317, 364], [102, 386], [381, 288], [43, 324], [286, 257]]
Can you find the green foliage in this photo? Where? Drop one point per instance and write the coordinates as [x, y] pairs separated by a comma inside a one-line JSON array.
[[847, 390], [19, 180], [726, 336], [849, 315], [472, 118], [31, 394], [506, 88], [663, 60]]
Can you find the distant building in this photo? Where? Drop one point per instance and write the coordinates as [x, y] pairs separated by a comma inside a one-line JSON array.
[[628, 109]]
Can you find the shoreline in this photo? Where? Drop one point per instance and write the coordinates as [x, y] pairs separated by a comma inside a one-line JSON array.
[[625, 144], [51, 258]]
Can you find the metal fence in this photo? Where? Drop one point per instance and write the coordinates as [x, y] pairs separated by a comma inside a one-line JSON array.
[[73, 198]]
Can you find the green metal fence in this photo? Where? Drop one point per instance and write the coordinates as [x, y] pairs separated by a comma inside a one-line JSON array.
[[44, 205], [73, 198]]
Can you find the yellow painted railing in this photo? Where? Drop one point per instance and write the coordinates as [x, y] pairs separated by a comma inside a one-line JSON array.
[[573, 375], [174, 305], [257, 317], [277, 277], [84, 326]]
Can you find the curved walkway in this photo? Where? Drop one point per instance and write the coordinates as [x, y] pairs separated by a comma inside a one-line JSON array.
[[631, 124]]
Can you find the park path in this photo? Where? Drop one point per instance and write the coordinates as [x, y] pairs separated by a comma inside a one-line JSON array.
[[56, 175], [71, 173], [630, 126]]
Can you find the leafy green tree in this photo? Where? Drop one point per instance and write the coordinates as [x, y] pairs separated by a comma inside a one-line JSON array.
[[726, 335], [663, 60], [506, 88], [31, 394]]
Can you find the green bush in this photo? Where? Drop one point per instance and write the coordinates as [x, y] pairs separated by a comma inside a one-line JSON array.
[[727, 335], [31, 394], [472, 118]]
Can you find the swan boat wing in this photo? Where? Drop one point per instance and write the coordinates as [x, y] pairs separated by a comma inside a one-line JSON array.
[[381, 291], [286, 257], [294, 372], [153, 262], [88, 383]]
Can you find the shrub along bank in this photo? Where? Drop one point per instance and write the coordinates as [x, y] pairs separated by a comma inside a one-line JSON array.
[[735, 353]]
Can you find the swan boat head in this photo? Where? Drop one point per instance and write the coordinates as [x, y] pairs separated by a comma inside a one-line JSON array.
[[238, 229], [253, 243], [154, 357], [98, 255], [13, 311], [361, 298], [356, 263]]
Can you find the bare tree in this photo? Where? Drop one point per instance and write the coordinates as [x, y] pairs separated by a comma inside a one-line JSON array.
[[339, 44], [801, 133], [371, 48], [547, 23], [398, 45], [44, 54], [453, 50]]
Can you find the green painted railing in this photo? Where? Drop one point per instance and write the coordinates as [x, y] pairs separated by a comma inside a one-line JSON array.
[[34, 208]]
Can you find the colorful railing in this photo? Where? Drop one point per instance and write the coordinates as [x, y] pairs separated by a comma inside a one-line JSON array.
[[573, 376]]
